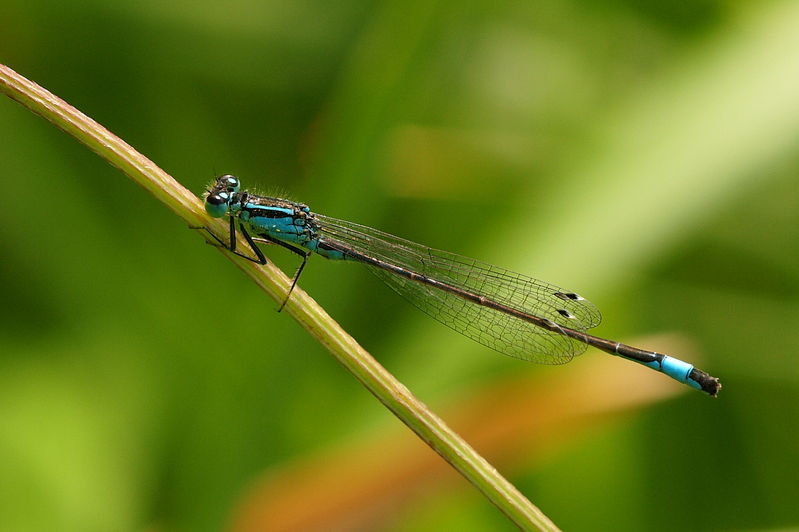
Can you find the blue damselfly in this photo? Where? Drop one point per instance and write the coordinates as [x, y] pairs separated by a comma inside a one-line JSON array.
[[511, 313]]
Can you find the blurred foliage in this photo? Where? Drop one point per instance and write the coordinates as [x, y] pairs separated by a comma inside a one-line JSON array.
[[641, 153]]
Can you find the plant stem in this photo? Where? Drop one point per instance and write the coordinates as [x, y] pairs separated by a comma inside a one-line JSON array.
[[393, 394]]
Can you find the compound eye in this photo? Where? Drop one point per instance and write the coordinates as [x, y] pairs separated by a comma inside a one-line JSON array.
[[228, 182], [217, 204]]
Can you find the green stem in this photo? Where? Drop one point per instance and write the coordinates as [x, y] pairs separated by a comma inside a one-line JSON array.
[[429, 427]]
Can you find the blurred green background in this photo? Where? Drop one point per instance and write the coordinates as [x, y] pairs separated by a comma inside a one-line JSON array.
[[643, 154]]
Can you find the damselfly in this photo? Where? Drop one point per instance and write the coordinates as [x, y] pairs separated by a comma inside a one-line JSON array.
[[516, 315]]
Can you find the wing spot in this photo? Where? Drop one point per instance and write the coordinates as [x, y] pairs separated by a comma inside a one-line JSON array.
[[569, 296]]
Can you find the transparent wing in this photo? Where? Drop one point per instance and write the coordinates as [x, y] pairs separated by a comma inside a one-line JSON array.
[[493, 328]]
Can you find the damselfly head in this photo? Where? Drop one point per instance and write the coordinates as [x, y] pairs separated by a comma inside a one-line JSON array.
[[218, 198]]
